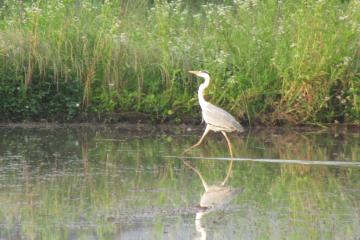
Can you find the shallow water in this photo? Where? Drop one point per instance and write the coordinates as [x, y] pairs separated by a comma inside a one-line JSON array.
[[89, 183]]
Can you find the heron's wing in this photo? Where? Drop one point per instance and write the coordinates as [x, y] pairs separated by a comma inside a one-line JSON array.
[[220, 118]]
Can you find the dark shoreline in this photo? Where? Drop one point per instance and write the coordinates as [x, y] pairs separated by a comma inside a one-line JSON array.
[[172, 128]]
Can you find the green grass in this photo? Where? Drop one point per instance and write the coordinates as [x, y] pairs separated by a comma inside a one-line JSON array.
[[272, 62]]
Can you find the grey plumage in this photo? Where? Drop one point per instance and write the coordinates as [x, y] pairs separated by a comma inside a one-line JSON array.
[[220, 120]]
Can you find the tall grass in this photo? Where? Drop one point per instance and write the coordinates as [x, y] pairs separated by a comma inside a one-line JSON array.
[[271, 61]]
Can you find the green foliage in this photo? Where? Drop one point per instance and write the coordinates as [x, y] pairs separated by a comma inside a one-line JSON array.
[[54, 100], [271, 61]]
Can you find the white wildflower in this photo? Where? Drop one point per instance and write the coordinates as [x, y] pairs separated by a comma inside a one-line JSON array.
[[197, 16], [346, 60], [117, 23], [123, 38], [281, 30], [342, 18], [33, 10], [232, 80], [221, 57]]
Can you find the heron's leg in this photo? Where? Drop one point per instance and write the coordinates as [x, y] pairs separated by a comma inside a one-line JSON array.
[[228, 142], [231, 162], [201, 139]]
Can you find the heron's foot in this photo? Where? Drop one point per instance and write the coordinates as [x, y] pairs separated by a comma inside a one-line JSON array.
[[200, 141], [193, 146], [188, 163], [186, 150]]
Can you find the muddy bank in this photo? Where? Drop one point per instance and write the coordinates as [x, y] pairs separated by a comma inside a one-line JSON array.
[[171, 128]]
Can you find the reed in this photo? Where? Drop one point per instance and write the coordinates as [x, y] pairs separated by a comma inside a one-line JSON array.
[[271, 62]]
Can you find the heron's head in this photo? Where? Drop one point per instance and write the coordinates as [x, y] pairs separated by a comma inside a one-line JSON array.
[[203, 74]]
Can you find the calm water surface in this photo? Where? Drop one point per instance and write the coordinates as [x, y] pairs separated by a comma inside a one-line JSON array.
[[89, 183]]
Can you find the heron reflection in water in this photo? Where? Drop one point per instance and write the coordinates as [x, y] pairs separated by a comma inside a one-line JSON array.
[[216, 119], [215, 197]]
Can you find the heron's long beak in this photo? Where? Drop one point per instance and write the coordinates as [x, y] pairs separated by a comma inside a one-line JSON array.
[[195, 72]]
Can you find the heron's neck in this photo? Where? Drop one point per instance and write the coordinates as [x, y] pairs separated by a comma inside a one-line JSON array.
[[202, 87]]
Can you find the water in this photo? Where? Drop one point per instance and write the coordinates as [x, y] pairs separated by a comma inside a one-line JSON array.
[[114, 183]]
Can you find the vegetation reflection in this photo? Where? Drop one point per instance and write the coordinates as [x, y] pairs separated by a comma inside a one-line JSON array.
[[57, 183]]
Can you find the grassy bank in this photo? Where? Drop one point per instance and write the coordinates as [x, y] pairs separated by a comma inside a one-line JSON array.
[[271, 61]]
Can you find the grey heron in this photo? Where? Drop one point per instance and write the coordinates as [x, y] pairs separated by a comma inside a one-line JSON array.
[[216, 119]]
